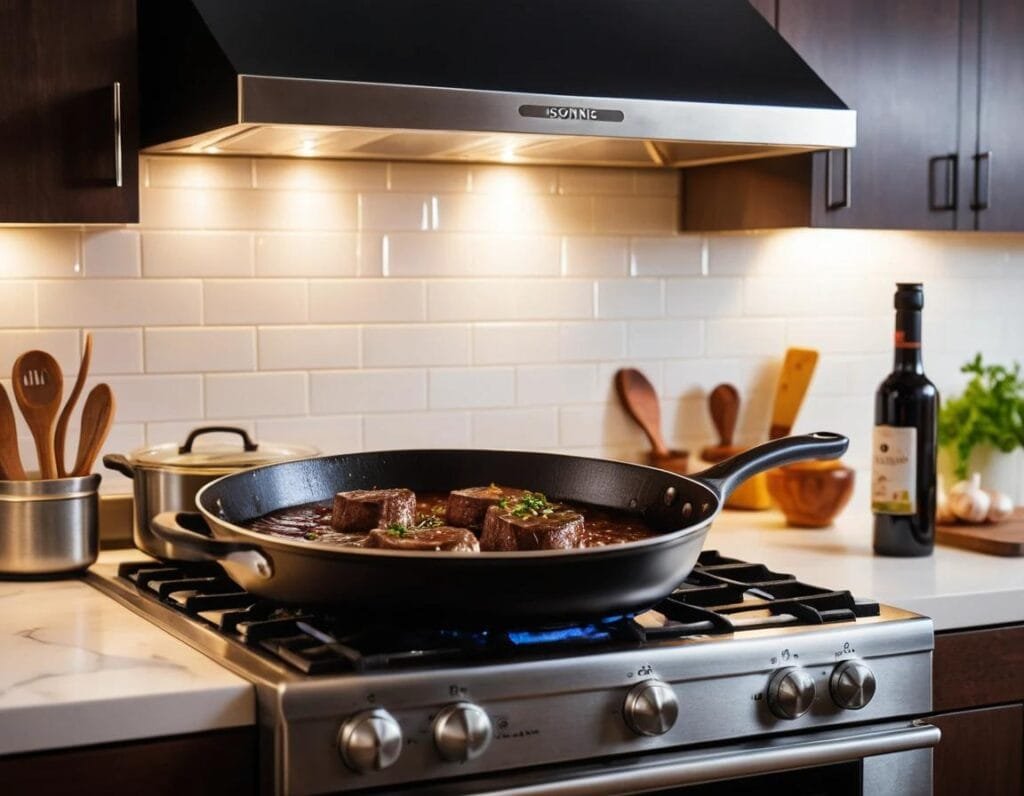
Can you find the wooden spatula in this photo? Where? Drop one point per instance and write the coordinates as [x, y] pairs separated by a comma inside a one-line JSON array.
[[38, 388], [97, 416], [797, 370], [60, 435], [641, 402], [10, 461]]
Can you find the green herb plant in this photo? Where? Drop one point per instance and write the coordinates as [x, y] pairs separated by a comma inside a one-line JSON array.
[[990, 412]]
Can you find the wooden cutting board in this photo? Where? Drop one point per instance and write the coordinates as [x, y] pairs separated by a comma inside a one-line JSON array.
[[1004, 539]]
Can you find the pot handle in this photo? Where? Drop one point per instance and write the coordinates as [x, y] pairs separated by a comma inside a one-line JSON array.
[[725, 476], [171, 527], [247, 444], [115, 461]]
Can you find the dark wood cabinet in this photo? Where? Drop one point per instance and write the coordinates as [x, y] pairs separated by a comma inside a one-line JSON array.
[[938, 86], [978, 678], [68, 111]]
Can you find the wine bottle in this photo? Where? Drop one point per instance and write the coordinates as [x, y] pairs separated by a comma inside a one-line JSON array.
[[904, 441]]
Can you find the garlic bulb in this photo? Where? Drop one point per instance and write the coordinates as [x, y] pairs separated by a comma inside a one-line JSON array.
[[969, 501], [943, 513], [1001, 507]]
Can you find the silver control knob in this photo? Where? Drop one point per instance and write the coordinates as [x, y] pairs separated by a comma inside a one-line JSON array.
[[790, 693], [651, 708], [370, 741], [852, 685], [462, 731]]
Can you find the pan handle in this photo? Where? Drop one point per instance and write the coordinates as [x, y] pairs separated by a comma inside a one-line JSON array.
[[725, 476], [170, 526]]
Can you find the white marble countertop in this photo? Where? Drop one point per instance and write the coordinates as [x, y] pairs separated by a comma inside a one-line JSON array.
[[77, 668], [957, 588]]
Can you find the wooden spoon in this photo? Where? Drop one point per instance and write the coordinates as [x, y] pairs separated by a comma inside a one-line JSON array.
[[641, 402], [724, 403], [797, 370], [10, 461], [38, 388], [60, 435], [97, 416]]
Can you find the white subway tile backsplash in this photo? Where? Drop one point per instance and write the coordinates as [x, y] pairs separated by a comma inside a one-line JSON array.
[[367, 301], [514, 255], [666, 339], [111, 253], [595, 181], [116, 351], [255, 395], [429, 177], [227, 209], [596, 341], [198, 350], [388, 212], [701, 297], [636, 214], [328, 435], [544, 385], [673, 256], [515, 429], [471, 388], [735, 337], [417, 430], [630, 298], [314, 254], [586, 426], [657, 182], [516, 213], [499, 300], [198, 172], [595, 256], [513, 180], [145, 399], [514, 343], [416, 346], [308, 347], [117, 302], [61, 343], [18, 305], [253, 301], [204, 254], [293, 174], [841, 335], [368, 391], [38, 253], [420, 254]]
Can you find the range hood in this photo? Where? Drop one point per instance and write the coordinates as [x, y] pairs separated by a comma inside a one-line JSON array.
[[586, 82]]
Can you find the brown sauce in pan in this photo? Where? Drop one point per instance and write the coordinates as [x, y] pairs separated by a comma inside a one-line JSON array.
[[312, 522]]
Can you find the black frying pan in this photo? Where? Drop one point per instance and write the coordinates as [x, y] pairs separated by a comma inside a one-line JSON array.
[[475, 589]]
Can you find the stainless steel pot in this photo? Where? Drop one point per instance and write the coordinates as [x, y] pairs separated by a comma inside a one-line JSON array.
[[167, 478], [48, 527]]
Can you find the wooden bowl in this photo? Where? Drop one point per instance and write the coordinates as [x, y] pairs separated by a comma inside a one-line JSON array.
[[811, 494]]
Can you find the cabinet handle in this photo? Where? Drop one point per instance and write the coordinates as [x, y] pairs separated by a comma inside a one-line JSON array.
[[118, 153], [979, 159], [950, 182], [847, 199]]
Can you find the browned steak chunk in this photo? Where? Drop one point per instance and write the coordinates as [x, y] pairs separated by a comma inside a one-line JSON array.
[[397, 537], [365, 509], [504, 530], [467, 507]]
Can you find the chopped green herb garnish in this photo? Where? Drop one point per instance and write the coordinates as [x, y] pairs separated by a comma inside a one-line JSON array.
[[530, 504], [397, 529], [311, 536], [427, 521]]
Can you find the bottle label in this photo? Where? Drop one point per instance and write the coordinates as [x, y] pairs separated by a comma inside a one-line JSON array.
[[894, 470]]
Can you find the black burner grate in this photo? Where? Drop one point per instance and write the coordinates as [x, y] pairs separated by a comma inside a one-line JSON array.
[[721, 596]]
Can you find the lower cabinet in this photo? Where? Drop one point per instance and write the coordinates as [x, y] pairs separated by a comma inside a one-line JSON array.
[[207, 764], [978, 678]]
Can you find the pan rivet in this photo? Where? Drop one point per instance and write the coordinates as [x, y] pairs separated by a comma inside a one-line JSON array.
[[704, 508], [632, 503], [687, 510], [670, 496]]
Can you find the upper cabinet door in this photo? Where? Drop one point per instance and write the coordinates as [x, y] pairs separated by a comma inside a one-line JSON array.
[[996, 166], [68, 111], [897, 65]]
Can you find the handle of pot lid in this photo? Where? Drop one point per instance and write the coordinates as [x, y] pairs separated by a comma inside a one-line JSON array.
[[247, 444], [171, 527], [115, 461], [725, 476]]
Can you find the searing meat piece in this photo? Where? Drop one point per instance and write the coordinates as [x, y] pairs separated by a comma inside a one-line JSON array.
[[467, 507], [365, 509], [398, 537], [557, 529]]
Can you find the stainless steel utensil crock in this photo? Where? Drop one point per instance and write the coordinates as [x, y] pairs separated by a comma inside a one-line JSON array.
[[48, 527], [167, 478]]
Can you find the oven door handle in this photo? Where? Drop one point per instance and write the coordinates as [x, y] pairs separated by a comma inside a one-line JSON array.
[[781, 755]]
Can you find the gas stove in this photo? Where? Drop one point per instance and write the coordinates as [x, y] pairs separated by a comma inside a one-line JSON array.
[[740, 675]]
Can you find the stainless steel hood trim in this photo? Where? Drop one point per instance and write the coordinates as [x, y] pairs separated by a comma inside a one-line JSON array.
[[337, 103]]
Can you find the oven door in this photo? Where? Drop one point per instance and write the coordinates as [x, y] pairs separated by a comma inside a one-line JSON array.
[[876, 759]]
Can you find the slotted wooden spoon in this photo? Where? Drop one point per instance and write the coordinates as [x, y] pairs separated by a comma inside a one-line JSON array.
[[38, 388], [97, 416], [641, 401], [10, 461]]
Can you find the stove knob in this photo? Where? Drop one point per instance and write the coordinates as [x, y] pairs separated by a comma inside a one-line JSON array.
[[370, 741], [651, 708], [790, 693], [462, 731], [852, 685]]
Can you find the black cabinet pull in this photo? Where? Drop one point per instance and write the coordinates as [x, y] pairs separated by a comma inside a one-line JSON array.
[[118, 152], [847, 200], [949, 200], [982, 177]]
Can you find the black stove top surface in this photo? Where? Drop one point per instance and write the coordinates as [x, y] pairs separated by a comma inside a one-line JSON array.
[[720, 597]]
